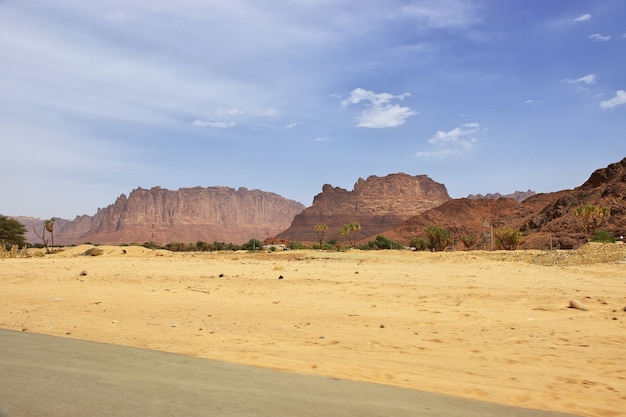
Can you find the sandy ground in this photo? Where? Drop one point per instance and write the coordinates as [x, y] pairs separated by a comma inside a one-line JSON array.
[[493, 326]]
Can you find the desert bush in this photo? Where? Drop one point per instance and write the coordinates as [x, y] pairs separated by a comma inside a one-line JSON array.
[[469, 241], [296, 245], [507, 238], [252, 245], [419, 243], [438, 238], [602, 236], [381, 242]]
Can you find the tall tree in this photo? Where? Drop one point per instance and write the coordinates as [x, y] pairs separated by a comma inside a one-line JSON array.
[[591, 217], [49, 225], [320, 230], [351, 231]]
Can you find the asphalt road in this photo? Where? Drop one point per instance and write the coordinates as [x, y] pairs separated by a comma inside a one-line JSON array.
[[51, 376]]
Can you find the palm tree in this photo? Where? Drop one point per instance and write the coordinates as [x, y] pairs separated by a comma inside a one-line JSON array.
[[49, 226]]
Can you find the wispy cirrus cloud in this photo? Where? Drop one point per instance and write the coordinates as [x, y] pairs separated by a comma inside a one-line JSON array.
[[617, 100], [583, 18], [598, 37], [585, 79], [213, 123], [380, 111], [453, 142]]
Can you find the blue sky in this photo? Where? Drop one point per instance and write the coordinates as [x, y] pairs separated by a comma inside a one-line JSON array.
[[99, 98]]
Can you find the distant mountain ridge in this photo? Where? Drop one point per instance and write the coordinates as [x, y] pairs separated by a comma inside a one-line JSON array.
[[518, 196], [399, 206]]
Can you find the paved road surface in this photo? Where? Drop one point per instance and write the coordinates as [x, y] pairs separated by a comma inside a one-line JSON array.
[[44, 376]]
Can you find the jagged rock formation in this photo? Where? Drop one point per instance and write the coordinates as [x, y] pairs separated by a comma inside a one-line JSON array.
[[377, 203], [213, 214], [545, 219], [518, 196]]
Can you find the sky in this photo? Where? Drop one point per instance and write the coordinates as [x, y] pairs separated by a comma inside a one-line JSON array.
[[483, 96]]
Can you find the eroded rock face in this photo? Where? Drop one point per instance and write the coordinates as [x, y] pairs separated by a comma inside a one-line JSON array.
[[213, 214], [377, 203]]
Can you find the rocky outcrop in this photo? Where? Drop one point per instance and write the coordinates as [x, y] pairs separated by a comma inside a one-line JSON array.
[[213, 214], [377, 203], [546, 220]]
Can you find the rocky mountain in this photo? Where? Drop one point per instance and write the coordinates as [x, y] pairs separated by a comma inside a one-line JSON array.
[[377, 203], [545, 219], [518, 196], [212, 214]]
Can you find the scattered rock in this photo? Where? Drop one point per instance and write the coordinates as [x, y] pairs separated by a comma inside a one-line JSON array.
[[221, 275], [83, 273], [578, 305], [280, 277]]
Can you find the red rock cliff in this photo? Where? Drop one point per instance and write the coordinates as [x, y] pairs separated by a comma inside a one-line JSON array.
[[213, 214], [378, 204]]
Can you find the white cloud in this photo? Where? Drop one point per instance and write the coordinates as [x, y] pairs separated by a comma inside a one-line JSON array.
[[532, 101], [455, 135], [216, 124], [321, 139], [598, 37], [587, 79], [452, 142], [380, 112], [291, 125], [583, 18], [619, 99]]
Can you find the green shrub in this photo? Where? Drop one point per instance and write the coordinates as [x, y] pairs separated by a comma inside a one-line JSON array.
[[602, 236], [507, 238], [438, 238], [419, 243], [469, 241]]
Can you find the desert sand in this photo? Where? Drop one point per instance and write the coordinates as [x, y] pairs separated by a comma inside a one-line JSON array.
[[494, 326]]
